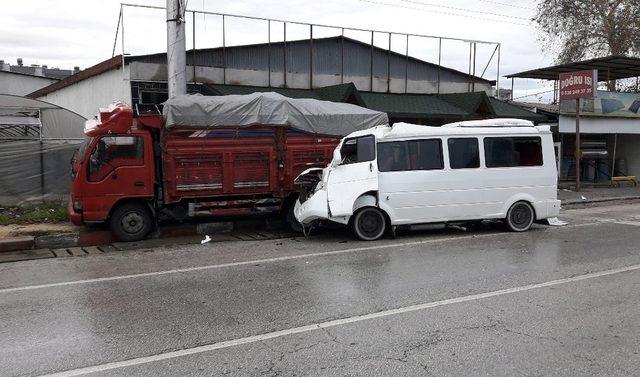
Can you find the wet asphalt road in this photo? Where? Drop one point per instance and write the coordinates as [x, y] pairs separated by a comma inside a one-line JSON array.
[[553, 301]]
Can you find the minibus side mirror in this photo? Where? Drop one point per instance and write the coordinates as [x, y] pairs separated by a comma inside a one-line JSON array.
[[337, 158]]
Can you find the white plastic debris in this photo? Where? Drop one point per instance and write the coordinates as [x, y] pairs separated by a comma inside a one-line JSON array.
[[206, 239], [583, 198], [554, 221]]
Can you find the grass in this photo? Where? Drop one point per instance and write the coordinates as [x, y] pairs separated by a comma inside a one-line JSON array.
[[46, 212]]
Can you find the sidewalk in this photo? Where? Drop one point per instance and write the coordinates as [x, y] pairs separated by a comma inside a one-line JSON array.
[[598, 194], [46, 240]]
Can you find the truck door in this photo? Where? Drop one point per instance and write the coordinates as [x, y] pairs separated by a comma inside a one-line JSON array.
[[356, 174], [118, 167]]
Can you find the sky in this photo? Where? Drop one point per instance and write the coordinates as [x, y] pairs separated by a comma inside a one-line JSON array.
[[81, 33]]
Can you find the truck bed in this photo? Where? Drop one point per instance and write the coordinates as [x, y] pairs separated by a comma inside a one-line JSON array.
[[238, 164]]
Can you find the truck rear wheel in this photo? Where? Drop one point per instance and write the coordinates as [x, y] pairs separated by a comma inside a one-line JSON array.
[[290, 218], [369, 223], [130, 222]]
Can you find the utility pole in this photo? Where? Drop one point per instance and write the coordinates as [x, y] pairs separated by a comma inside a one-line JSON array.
[[578, 153], [176, 49]]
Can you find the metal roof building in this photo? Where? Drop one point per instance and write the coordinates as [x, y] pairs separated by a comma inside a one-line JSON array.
[[19, 79], [294, 65], [331, 61], [20, 84]]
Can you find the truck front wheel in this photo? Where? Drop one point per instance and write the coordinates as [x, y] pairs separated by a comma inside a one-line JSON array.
[[130, 222]]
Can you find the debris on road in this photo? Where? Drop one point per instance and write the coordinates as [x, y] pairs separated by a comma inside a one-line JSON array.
[[554, 221], [205, 240]]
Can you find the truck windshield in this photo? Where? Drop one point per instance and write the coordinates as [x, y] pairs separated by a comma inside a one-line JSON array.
[[82, 150], [78, 156]]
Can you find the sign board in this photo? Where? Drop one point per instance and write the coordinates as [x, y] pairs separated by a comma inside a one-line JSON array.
[[606, 104], [579, 84]]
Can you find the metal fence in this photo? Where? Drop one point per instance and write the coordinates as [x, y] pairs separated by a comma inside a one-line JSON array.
[[474, 67]]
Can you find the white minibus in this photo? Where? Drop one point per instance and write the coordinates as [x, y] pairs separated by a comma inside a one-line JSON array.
[[406, 174]]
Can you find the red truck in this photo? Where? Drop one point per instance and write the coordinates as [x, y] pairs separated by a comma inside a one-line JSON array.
[[205, 156]]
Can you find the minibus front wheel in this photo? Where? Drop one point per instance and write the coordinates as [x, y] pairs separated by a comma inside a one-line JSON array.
[[520, 217], [369, 223]]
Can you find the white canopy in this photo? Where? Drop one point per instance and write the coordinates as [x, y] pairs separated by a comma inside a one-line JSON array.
[[51, 121]]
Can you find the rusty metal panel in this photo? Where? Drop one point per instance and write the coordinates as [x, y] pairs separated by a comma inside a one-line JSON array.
[[232, 162]]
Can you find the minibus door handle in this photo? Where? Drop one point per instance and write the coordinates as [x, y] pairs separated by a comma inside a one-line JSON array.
[[138, 184], [371, 166]]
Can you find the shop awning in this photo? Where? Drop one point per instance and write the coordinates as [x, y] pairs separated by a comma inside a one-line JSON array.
[[612, 67]]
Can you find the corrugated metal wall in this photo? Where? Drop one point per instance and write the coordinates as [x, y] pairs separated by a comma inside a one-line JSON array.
[[326, 60]]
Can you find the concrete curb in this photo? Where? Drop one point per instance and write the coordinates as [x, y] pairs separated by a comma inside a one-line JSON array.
[[16, 243], [599, 200], [93, 237], [104, 237]]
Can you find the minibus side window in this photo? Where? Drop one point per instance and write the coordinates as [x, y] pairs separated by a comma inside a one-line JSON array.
[[426, 154], [360, 149], [503, 152], [393, 156], [463, 153], [410, 155]]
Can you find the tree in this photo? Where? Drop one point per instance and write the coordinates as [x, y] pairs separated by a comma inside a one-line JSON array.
[[582, 29]]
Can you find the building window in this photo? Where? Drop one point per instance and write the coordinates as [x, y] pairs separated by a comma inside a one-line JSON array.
[[153, 98], [463, 153], [502, 152]]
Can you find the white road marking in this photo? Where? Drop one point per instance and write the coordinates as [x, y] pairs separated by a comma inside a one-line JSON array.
[[635, 223], [337, 322], [258, 261]]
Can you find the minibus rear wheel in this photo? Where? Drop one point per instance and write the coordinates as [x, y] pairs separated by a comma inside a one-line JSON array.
[[520, 217], [369, 223]]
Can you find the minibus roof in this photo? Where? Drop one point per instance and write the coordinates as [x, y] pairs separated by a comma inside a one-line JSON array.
[[507, 122], [408, 131]]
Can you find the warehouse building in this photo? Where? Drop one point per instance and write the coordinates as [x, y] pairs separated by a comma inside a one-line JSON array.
[[309, 65]]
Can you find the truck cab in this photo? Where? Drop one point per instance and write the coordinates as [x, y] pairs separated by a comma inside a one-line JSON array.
[[113, 173]]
